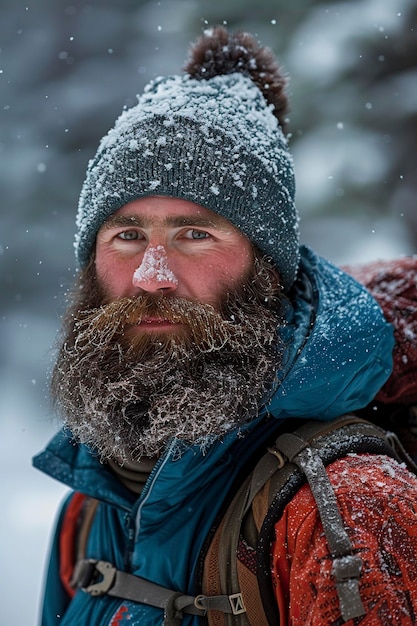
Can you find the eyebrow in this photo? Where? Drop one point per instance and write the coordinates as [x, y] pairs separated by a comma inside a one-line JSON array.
[[118, 221]]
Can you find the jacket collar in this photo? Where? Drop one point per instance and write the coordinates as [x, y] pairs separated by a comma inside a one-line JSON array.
[[339, 345]]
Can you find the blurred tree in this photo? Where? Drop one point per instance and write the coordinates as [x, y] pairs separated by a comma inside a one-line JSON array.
[[355, 94], [68, 67]]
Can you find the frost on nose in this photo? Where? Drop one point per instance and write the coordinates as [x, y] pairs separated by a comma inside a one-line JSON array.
[[154, 268]]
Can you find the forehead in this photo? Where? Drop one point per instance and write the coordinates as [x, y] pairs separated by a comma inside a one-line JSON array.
[[168, 211]]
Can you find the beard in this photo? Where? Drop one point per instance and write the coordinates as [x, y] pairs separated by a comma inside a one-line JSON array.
[[128, 393]]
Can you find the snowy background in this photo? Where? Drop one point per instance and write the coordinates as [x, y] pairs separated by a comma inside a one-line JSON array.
[[66, 70]]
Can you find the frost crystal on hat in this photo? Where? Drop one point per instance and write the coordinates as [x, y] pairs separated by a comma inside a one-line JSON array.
[[214, 140]]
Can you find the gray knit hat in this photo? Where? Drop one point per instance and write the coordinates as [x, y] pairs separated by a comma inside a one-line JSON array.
[[209, 136]]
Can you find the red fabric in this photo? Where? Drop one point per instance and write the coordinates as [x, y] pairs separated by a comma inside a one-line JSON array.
[[377, 501], [394, 285], [120, 616], [67, 541]]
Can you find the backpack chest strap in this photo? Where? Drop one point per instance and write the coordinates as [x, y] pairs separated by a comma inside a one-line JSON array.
[[99, 578]]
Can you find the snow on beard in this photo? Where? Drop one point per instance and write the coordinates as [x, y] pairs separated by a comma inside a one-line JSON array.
[[127, 394]]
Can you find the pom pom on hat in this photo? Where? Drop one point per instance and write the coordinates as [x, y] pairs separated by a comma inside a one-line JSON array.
[[220, 52], [212, 136]]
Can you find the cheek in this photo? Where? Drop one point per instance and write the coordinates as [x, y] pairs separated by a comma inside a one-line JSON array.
[[223, 270], [238, 264], [114, 276]]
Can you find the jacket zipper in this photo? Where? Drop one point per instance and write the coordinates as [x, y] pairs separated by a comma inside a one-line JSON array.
[[147, 491]]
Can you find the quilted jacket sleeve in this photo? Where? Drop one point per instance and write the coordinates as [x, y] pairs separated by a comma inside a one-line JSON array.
[[378, 501]]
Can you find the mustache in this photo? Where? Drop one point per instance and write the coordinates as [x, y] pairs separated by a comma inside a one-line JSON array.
[[202, 323]]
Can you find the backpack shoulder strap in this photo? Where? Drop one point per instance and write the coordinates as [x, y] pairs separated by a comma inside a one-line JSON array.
[[85, 522], [220, 570], [73, 536], [294, 458]]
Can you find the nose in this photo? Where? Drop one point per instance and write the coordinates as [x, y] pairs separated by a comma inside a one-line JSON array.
[[154, 274]]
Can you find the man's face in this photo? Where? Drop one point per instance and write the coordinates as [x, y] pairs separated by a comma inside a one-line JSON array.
[[172, 332], [167, 246]]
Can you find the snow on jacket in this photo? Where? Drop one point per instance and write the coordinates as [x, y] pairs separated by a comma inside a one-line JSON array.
[[338, 357]]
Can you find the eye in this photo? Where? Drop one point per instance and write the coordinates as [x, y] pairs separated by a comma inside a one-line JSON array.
[[128, 235], [197, 234]]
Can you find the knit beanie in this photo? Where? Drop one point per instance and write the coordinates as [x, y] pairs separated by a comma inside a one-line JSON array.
[[213, 136]]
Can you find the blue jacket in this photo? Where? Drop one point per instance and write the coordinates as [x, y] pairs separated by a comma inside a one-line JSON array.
[[338, 356]]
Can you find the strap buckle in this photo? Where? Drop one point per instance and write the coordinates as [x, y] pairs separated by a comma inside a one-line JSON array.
[[229, 604], [94, 577], [237, 604]]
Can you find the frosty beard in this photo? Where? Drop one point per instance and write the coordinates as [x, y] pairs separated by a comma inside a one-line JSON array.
[[127, 394]]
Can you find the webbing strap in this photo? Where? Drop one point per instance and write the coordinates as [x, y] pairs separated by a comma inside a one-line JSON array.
[[101, 577], [346, 565]]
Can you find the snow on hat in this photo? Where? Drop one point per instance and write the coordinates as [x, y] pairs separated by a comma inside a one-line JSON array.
[[213, 136]]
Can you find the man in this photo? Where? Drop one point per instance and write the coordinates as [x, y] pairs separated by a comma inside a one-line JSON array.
[[197, 327]]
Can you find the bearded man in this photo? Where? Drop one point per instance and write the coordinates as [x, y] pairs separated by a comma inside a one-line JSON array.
[[197, 327]]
